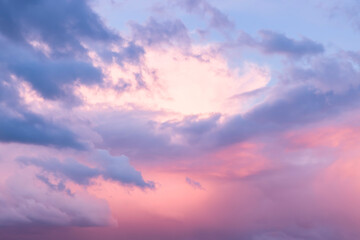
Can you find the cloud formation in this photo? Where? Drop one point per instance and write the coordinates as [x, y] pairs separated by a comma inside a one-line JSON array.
[[194, 183], [154, 33], [87, 85], [62, 25], [115, 168], [29, 128], [213, 15], [25, 201], [275, 43]]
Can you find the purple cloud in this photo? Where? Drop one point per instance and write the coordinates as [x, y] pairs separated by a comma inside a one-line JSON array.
[[275, 43], [61, 24], [194, 184], [30, 128], [215, 17], [155, 33], [25, 201], [337, 74], [115, 168]]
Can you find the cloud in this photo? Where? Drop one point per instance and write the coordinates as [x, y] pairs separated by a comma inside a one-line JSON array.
[[158, 83], [115, 168], [298, 233], [192, 125], [324, 88], [155, 33], [215, 17], [30, 128], [60, 186], [70, 169], [337, 74], [267, 145], [131, 53], [52, 78], [306, 94], [62, 25], [347, 8], [285, 109], [294, 108], [51, 46], [118, 168], [41, 43], [275, 43], [47, 45], [136, 136], [26, 201], [193, 129], [193, 183]]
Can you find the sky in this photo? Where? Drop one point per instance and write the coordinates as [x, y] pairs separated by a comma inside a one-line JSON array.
[[179, 119]]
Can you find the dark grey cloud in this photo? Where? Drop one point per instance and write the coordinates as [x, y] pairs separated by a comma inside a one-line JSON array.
[[115, 168], [275, 43]]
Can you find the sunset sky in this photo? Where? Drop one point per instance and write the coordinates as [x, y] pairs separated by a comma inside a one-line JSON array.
[[179, 119]]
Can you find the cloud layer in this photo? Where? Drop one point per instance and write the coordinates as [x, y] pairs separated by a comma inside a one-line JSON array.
[[179, 120]]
